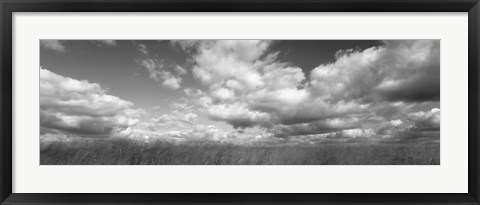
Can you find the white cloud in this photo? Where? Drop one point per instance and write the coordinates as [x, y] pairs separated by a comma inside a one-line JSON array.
[[223, 94], [206, 134], [330, 125], [350, 76], [81, 107], [396, 123], [170, 81], [426, 120], [289, 77], [180, 70], [186, 45], [182, 125], [398, 71], [391, 129], [282, 97], [250, 87], [219, 60], [157, 72], [181, 117], [174, 121], [153, 67], [238, 115], [356, 133], [142, 48], [103, 43], [363, 94], [55, 45]]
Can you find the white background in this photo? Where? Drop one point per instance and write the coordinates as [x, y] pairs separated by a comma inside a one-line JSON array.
[[450, 176]]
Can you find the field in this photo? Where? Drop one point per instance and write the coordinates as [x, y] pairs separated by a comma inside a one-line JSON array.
[[129, 152]]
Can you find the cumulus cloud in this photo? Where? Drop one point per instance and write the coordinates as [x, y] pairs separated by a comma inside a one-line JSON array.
[[397, 71], [223, 94], [186, 45], [349, 77], [330, 125], [55, 45], [180, 70], [426, 120], [216, 61], [247, 86], [418, 127], [182, 125], [181, 116], [238, 115], [170, 81], [82, 108], [207, 134], [171, 121], [153, 67], [391, 128], [365, 95], [353, 133]]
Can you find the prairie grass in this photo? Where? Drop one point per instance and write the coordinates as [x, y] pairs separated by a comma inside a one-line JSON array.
[[130, 152]]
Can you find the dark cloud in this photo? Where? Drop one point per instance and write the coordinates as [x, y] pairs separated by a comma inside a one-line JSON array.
[[86, 126], [420, 87], [415, 71]]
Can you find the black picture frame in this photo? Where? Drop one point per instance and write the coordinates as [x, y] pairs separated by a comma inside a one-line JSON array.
[[8, 7]]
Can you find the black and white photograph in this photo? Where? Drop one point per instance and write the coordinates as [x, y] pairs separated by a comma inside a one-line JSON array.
[[239, 102]]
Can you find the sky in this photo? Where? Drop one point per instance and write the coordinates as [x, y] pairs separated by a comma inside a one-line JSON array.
[[241, 91]]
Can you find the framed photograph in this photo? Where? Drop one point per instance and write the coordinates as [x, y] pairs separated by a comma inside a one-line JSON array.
[[263, 102]]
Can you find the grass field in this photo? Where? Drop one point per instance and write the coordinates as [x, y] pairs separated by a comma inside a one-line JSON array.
[[130, 152]]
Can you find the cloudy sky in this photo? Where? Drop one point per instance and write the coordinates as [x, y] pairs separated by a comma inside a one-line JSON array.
[[242, 91]]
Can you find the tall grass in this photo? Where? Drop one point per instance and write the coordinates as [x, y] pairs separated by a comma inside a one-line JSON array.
[[130, 152]]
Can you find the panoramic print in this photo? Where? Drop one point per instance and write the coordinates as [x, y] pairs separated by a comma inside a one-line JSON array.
[[239, 102]]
